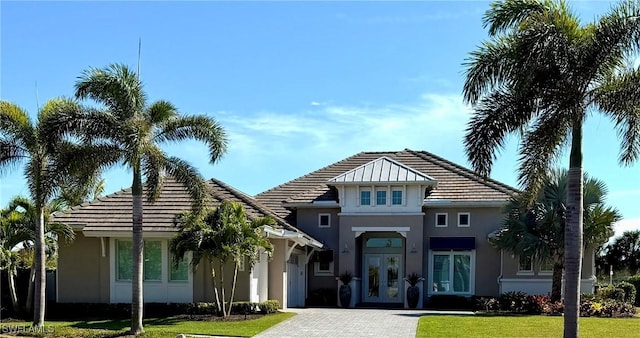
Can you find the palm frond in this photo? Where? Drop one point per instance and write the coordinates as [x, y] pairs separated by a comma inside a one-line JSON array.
[[116, 86], [190, 178], [201, 128], [16, 126], [11, 155], [505, 15], [153, 166], [160, 112]]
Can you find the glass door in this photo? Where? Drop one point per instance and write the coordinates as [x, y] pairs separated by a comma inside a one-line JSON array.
[[383, 274]]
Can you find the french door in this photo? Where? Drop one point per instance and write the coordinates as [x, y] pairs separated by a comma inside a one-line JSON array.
[[383, 278]]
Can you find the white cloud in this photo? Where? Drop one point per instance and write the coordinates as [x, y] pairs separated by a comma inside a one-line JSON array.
[[626, 225]]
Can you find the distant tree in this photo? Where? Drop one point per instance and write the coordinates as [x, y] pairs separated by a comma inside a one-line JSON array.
[[624, 252], [538, 231], [223, 235], [131, 133]]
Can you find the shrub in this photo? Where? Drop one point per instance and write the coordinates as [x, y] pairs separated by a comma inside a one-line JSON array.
[[610, 292], [554, 308], [513, 301], [488, 304], [635, 280], [270, 306], [629, 292], [535, 303]]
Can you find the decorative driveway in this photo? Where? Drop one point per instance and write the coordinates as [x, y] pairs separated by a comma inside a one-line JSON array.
[[321, 322]]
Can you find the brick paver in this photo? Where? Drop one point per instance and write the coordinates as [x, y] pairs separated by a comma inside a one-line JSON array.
[[347, 323]]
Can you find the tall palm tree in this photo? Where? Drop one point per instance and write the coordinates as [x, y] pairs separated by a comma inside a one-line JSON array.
[[48, 162], [222, 235], [539, 75], [12, 233], [74, 192], [133, 132], [538, 231]]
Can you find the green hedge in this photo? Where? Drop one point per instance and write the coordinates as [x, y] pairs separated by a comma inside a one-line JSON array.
[[635, 280], [75, 311]]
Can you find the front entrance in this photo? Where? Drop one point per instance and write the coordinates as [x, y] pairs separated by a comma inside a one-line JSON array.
[[382, 274]]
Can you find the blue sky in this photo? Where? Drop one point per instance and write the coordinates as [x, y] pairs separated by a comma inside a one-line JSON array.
[[297, 85]]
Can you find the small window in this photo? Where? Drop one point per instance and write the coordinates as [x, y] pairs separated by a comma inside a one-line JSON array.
[[396, 197], [365, 197], [152, 261], [323, 268], [179, 272], [464, 219], [442, 220], [381, 197], [546, 266], [324, 220], [525, 264], [124, 250]]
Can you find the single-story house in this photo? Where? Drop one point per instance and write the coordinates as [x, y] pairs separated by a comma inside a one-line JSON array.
[[378, 215]]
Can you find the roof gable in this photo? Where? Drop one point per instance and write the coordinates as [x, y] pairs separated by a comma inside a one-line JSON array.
[[382, 170]]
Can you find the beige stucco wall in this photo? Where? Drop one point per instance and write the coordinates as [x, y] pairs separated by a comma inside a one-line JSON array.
[[511, 263], [203, 286], [278, 272], [83, 273]]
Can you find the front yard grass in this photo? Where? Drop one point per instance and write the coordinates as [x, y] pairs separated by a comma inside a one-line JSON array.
[[154, 328], [490, 325]]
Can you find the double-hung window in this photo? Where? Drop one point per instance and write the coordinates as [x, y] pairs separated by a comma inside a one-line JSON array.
[[365, 197], [381, 197], [396, 197]]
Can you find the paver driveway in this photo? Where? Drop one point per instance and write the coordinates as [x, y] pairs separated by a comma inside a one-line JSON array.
[[347, 323]]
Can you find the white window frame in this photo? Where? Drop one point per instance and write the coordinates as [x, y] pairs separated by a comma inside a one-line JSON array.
[[401, 196], [547, 272], [386, 196], [320, 225], [360, 197], [451, 253], [318, 272], [468, 214], [446, 219], [527, 271], [185, 259]]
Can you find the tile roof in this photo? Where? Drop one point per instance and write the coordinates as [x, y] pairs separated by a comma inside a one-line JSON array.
[[114, 212], [454, 182], [381, 170]]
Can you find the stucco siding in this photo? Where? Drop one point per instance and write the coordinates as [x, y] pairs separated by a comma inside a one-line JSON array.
[[83, 273], [203, 286], [278, 272]]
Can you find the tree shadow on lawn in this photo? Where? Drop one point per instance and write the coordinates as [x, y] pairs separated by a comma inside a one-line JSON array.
[[121, 324]]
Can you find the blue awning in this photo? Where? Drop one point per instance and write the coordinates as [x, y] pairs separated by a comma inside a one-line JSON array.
[[452, 243]]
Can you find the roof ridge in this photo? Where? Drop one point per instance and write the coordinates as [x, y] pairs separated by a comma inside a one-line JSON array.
[[464, 171], [309, 174], [382, 158], [251, 201]]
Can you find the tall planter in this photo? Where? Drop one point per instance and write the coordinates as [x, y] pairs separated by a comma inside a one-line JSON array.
[[413, 296], [413, 291], [345, 295], [345, 289]]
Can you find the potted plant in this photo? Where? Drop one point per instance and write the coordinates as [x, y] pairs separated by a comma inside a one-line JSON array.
[[345, 288], [413, 291]]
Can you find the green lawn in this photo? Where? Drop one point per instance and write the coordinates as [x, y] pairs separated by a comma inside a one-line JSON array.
[[522, 326], [162, 327]]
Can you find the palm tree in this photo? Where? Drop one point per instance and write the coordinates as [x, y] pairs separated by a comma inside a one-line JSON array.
[[48, 162], [538, 75], [12, 233], [224, 234], [538, 231], [74, 192], [133, 132], [21, 217]]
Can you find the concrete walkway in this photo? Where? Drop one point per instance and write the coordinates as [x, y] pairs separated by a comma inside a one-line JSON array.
[[315, 322]]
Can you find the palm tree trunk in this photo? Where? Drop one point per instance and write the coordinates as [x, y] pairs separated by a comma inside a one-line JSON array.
[[233, 288], [28, 306], [556, 282], [12, 289], [224, 299], [40, 270], [137, 256], [215, 286], [573, 235]]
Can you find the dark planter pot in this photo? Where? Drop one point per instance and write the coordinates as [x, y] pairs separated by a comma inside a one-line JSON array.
[[413, 296], [345, 295]]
